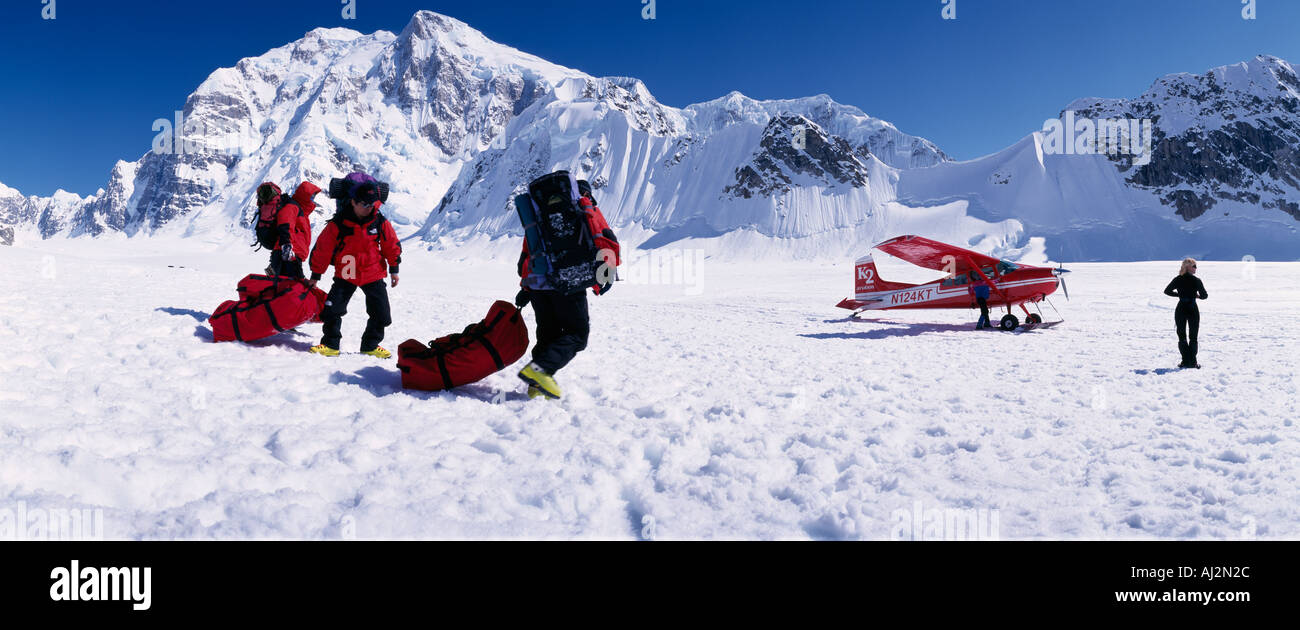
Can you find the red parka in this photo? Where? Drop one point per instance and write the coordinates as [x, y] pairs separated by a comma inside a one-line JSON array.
[[294, 219], [361, 250]]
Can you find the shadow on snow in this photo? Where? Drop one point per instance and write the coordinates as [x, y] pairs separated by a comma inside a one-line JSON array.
[[896, 329], [184, 312], [380, 381], [282, 340], [905, 329]]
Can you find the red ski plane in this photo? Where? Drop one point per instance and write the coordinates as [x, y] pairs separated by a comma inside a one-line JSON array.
[[1012, 284]]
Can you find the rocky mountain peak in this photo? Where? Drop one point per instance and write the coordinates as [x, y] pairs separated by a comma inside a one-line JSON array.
[[797, 151]]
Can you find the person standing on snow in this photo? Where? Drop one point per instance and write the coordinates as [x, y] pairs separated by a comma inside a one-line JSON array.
[[363, 248], [293, 227], [1187, 316], [979, 287], [563, 323]]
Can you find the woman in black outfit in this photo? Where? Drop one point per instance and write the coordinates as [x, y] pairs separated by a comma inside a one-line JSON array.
[[1187, 317]]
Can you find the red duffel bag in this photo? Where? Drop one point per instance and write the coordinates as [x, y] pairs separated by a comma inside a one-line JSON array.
[[267, 305], [481, 350], [254, 284]]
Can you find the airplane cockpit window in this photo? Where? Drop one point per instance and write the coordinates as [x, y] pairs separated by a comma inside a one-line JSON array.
[[1006, 267], [954, 281]]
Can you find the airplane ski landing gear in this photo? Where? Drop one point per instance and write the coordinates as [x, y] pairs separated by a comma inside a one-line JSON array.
[[1034, 318], [1009, 322]]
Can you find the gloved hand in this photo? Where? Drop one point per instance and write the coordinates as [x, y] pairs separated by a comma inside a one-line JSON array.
[[522, 298], [602, 289], [286, 253]]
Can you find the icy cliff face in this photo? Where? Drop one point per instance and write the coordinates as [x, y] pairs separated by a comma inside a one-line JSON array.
[[743, 175]]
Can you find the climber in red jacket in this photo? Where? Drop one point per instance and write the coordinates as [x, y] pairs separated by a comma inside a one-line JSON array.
[[363, 248], [293, 226]]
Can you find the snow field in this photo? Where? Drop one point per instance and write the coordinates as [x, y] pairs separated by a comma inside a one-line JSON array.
[[752, 410]]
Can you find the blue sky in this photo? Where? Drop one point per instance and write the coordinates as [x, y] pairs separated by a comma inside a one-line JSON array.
[[82, 90]]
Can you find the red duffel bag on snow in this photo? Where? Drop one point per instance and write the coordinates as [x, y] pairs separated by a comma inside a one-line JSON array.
[[254, 284], [481, 350], [267, 305]]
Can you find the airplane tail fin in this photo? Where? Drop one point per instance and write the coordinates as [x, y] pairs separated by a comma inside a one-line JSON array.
[[867, 286], [866, 279]]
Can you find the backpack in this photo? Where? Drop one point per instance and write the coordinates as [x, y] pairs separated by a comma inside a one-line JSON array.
[[341, 188], [269, 202], [563, 253]]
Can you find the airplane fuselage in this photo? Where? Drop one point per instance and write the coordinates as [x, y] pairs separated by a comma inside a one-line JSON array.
[[1026, 284]]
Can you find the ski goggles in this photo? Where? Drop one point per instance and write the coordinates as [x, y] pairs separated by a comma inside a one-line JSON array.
[[368, 195]]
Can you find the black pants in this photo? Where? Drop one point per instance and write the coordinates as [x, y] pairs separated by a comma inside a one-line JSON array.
[[984, 312], [280, 267], [336, 306], [562, 328], [1187, 317]]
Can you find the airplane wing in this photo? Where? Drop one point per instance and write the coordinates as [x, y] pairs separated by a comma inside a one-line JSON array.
[[923, 252]]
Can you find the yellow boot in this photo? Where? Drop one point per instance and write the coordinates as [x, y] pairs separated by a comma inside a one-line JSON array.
[[324, 351], [540, 380], [380, 352]]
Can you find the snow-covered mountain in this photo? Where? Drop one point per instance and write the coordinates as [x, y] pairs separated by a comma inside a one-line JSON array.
[[408, 108], [1223, 179], [729, 174], [13, 205], [458, 124], [37, 215], [804, 177], [416, 107]]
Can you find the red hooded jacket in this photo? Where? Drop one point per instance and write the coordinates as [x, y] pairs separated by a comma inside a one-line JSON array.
[[294, 219], [361, 250]]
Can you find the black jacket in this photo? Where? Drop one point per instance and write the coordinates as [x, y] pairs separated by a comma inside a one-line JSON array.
[[1186, 287]]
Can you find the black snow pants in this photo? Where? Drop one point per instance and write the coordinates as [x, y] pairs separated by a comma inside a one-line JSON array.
[[336, 306], [1187, 317], [280, 267], [563, 326]]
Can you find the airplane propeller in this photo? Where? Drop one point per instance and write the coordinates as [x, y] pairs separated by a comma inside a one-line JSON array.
[[1060, 272]]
